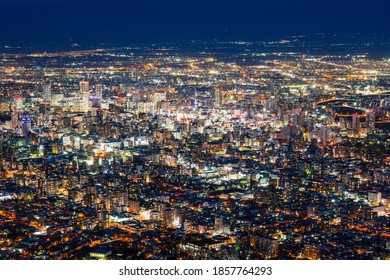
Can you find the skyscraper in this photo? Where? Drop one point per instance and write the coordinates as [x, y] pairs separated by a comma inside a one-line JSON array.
[[218, 97], [84, 96], [355, 122], [324, 135], [370, 121], [47, 92], [26, 128], [84, 87], [99, 91], [14, 118]]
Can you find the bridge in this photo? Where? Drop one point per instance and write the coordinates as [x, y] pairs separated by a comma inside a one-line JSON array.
[[334, 100], [359, 94], [349, 115]]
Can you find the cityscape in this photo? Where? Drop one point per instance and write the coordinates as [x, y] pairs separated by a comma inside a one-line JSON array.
[[196, 150]]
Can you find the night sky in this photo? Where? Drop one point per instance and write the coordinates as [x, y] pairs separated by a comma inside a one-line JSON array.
[[119, 21]]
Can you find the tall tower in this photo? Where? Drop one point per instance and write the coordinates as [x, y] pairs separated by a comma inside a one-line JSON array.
[[14, 118], [96, 100], [26, 128], [324, 135], [196, 100], [99, 91], [355, 122], [84, 87], [370, 121], [84, 96], [218, 97], [47, 92]]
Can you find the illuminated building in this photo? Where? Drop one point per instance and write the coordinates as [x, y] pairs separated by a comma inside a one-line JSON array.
[[218, 97], [84, 87], [99, 91], [374, 198], [18, 101], [355, 122], [159, 96], [312, 252], [84, 103], [26, 127], [218, 224], [52, 186], [100, 254], [47, 92], [14, 118], [370, 121], [324, 135]]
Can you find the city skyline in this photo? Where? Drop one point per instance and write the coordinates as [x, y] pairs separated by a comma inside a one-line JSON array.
[[197, 150]]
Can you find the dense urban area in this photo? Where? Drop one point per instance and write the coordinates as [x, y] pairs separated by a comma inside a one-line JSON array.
[[195, 150]]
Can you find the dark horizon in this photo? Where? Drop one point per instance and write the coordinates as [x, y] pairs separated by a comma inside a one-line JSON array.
[[42, 23]]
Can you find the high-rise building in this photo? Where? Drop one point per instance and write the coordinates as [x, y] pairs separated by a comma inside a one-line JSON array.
[[196, 100], [324, 135], [168, 217], [55, 148], [84, 87], [123, 199], [355, 122], [159, 96], [52, 186], [218, 224], [312, 252], [370, 120], [374, 198], [134, 206], [285, 119], [286, 132], [84, 104], [14, 118], [18, 101], [47, 92], [26, 128], [297, 120], [96, 100], [218, 97], [99, 91]]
